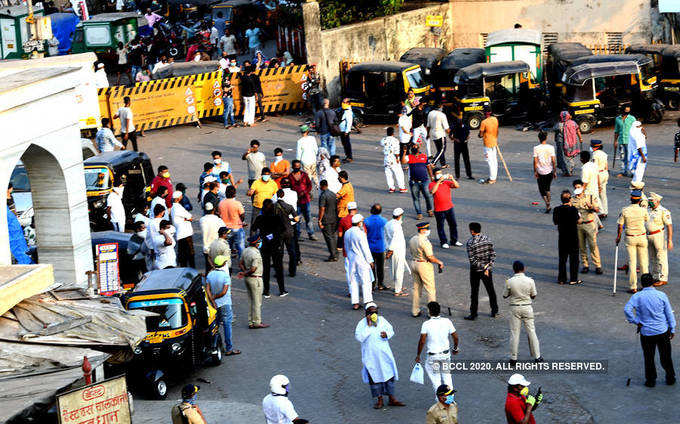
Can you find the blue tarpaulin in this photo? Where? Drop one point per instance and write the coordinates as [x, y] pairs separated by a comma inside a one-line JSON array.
[[17, 242], [63, 26]]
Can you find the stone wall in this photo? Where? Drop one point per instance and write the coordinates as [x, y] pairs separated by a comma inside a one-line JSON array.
[[584, 21], [379, 39]]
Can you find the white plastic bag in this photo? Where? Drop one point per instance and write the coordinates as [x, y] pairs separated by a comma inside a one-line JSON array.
[[417, 375]]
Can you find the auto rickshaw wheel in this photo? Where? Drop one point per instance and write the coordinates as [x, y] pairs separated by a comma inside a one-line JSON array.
[[585, 125], [673, 103], [160, 389], [216, 355], [655, 116], [475, 121]]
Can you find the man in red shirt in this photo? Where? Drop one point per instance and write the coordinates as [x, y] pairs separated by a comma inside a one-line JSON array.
[[519, 404], [302, 185], [440, 189], [163, 179]]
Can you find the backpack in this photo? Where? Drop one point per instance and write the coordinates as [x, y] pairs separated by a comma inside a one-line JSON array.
[[333, 127]]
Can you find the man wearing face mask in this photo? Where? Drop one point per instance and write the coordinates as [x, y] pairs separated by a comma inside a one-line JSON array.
[[445, 411], [114, 205], [280, 167], [379, 367], [164, 246], [396, 250], [519, 404], [181, 219], [220, 165], [161, 194], [187, 412], [219, 290], [261, 190], [277, 408], [251, 270], [440, 189], [421, 266], [163, 179]]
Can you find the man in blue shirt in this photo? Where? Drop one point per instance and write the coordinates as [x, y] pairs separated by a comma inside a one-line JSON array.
[[622, 126], [656, 324], [375, 232], [219, 289]]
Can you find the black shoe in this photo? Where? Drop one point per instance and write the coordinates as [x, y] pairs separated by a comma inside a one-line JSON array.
[[539, 359], [650, 383], [331, 259], [670, 381], [470, 177], [585, 270], [470, 317], [494, 314], [598, 271], [513, 362], [417, 315]]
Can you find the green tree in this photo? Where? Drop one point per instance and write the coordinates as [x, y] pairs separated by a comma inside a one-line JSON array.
[[335, 13]]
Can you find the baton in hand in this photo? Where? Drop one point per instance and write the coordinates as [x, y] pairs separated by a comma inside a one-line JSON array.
[[616, 265]]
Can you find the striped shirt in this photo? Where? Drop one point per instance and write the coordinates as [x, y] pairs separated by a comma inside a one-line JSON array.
[[480, 252]]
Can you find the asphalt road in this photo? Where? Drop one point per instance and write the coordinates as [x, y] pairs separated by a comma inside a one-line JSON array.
[[311, 337]]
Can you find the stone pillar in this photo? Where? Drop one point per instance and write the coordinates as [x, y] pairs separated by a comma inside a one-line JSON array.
[[311, 16]]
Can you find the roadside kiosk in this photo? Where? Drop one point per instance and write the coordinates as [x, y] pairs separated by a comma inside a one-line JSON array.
[[516, 44], [104, 31], [14, 30]]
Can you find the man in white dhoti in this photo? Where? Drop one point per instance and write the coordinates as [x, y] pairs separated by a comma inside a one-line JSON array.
[[359, 262], [396, 250], [637, 151], [380, 368]]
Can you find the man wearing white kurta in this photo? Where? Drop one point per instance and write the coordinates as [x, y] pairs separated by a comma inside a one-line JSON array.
[[637, 151], [114, 201], [434, 337], [359, 262], [396, 250], [380, 368], [393, 169]]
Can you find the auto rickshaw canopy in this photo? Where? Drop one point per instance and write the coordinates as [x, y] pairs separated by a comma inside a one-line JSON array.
[[482, 70], [639, 59], [168, 279], [427, 57], [646, 48], [460, 58], [580, 74], [381, 66], [180, 69]]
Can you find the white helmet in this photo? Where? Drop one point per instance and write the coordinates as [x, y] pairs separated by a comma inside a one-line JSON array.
[[279, 384], [516, 379]]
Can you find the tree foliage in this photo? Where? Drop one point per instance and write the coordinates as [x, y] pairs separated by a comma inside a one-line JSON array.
[[335, 13]]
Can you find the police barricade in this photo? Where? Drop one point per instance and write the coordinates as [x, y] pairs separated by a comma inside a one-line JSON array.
[[180, 100]]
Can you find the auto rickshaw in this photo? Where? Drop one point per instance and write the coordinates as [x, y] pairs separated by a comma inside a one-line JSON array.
[[376, 89], [427, 57], [669, 85], [103, 32], [183, 331], [596, 91], [442, 77], [560, 57], [100, 173], [504, 88]]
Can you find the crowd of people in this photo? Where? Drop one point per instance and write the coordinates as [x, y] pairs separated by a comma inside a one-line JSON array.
[[281, 191]]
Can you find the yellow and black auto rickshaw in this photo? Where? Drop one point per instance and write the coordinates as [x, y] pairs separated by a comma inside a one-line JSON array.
[[100, 173], [376, 89], [427, 58], [560, 57], [598, 86], [442, 77], [669, 85], [504, 88], [183, 331]]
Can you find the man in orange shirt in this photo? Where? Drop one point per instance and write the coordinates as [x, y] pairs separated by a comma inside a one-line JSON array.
[[345, 194], [488, 132], [280, 167], [233, 214]]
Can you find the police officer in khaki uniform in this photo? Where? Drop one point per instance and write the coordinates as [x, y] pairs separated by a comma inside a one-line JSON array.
[[640, 185], [634, 218], [421, 267], [588, 206], [445, 411], [659, 221], [600, 159], [521, 290]]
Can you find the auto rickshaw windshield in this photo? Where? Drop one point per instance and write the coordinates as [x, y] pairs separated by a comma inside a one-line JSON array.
[[97, 179], [580, 93], [170, 312], [647, 71], [415, 78]]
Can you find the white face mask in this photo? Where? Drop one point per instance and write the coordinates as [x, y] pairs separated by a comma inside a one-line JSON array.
[[141, 234], [277, 159], [266, 178], [437, 176], [217, 162], [426, 233]]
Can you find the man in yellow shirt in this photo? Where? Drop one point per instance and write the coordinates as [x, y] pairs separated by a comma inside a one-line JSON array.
[[262, 189], [488, 132], [345, 194]]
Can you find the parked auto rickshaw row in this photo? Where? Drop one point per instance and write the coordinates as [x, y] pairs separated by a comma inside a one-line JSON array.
[[509, 79]]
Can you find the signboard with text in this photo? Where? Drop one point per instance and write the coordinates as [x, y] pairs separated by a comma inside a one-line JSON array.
[[434, 20], [108, 273], [105, 402]]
